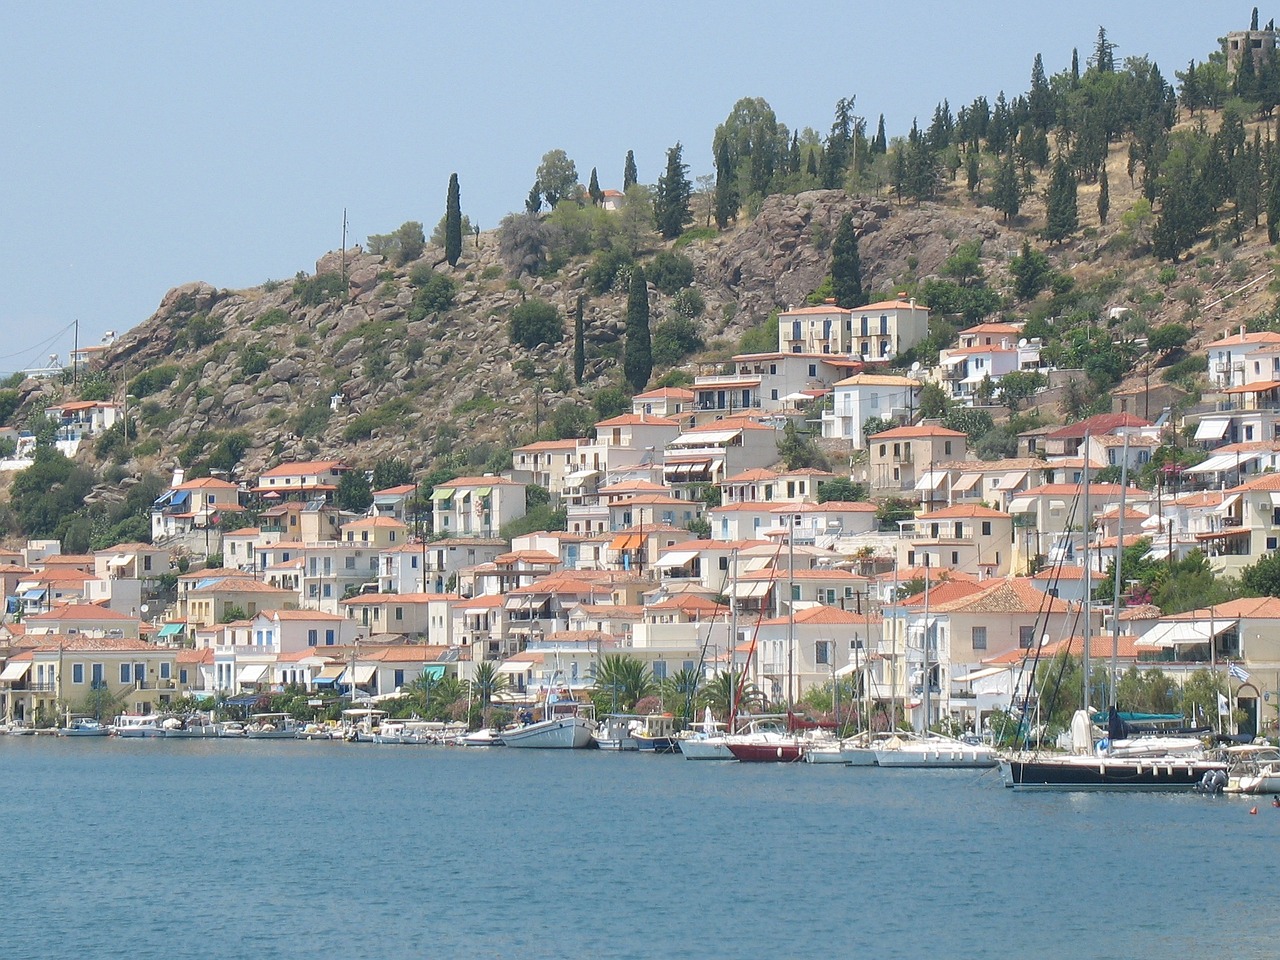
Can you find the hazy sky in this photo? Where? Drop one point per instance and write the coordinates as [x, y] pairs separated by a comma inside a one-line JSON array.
[[150, 144]]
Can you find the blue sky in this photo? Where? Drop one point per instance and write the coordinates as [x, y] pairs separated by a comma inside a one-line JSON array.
[[149, 144]]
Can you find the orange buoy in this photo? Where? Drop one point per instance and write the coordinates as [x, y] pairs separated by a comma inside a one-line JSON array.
[[1253, 810]]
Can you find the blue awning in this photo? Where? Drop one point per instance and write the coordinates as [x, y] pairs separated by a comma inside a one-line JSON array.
[[172, 630], [433, 670], [324, 681], [245, 699], [34, 595]]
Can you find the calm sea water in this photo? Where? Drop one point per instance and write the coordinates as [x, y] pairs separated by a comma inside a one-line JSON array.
[[261, 850]]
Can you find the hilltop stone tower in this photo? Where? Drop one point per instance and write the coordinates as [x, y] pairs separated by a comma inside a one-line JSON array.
[[1260, 43]]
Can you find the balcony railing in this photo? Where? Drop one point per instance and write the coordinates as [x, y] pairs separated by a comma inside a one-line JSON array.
[[752, 404]]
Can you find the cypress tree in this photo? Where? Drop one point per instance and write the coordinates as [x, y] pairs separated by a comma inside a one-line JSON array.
[[793, 159], [1246, 82], [453, 223], [1273, 202], [637, 359], [973, 172], [726, 195], [1006, 195], [629, 172], [1040, 97], [533, 203], [1104, 196], [846, 266], [593, 189], [811, 167], [1061, 211], [672, 196], [880, 144], [579, 344], [1075, 68]]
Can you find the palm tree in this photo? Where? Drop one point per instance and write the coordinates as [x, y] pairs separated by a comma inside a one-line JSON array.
[[622, 681], [719, 692], [680, 690], [488, 681]]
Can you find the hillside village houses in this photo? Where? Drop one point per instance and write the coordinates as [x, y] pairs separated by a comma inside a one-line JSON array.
[[991, 552]]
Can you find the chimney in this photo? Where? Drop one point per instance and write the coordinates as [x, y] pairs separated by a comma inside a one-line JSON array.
[[830, 301], [1243, 329], [178, 476]]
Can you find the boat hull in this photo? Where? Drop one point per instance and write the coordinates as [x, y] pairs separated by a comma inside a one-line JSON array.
[[656, 744], [935, 759], [705, 748], [565, 733], [85, 732], [1107, 773], [777, 752]]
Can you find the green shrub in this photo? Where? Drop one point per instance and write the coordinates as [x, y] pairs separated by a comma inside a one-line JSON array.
[[254, 360], [535, 322], [153, 380], [761, 339], [271, 318], [323, 287], [695, 233], [603, 272], [670, 271], [674, 339], [688, 303], [435, 293], [8, 404], [312, 420]]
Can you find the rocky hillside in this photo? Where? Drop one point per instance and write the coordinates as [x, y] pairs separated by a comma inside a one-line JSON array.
[[248, 378]]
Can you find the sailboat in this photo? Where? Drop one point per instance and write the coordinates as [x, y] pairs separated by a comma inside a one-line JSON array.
[[1125, 759]]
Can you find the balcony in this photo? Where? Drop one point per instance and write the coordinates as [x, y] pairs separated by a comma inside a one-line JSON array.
[[753, 404]]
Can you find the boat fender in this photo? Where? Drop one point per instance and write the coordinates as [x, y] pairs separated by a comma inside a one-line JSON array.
[[1253, 811], [1275, 801]]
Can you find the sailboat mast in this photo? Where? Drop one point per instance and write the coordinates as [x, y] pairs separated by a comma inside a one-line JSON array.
[[1088, 580], [925, 645], [1115, 593]]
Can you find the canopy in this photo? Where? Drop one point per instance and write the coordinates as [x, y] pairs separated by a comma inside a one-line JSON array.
[[252, 673], [15, 671], [1227, 504], [1010, 480], [627, 541], [931, 480], [1224, 461], [705, 438], [441, 494], [1211, 429], [967, 482], [243, 700], [171, 630], [677, 558], [1020, 505], [752, 589], [330, 673], [979, 674], [433, 670], [482, 491], [118, 561], [516, 666], [364, 673], [1174, 633]]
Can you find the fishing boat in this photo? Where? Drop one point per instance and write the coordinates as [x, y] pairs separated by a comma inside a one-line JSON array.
[[84, 727], [483, 738], [271, 726], [615, 733], [567, 725], [657, 734], [191, 727]]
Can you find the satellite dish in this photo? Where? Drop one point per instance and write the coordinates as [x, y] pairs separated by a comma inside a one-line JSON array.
[[915, 367], [1022, 342]]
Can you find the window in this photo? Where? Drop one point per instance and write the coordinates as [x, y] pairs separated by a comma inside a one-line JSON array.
[[813, 369], [399, 678], [979, 638], [986, 528], [182, 677], [1026, 637], [659, 669], [146, 562], [328, 638], [313, 638], [77, 673], [413, 563], [946, 447], [328, 590], [140, 672], [955, 558], [351, 563], [166, 670], [399, 613], [822, 652], [126, 673], [96, 675]]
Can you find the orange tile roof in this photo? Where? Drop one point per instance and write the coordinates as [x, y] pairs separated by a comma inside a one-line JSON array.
[[908, 433], [827, 616], [1006, 595], [637, 420], [303, 467], [965, 510]]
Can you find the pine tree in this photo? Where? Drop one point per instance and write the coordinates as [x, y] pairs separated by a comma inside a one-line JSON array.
[[1040, 97], [846, 266], [629, 172], [1273, 201], [533, 203], [1061, 210], [672, 196], [579, 344], [453, 223], [726, 196], [811, 166], [1104, 53], [637, 359], [793, 158], [1246, 82], [1104, 196], [593, 189], [1006, 195]]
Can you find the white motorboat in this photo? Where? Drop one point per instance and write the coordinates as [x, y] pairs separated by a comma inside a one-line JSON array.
[[855, 751], [1253, 769], [192, 727], [932, 750], [706, 741], [568, 726], [231, 728], [483, 738], [616, 732], [127, 725], [85, 727]]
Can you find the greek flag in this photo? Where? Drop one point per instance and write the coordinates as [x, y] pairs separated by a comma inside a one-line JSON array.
[[1224, 706], [1238, 672]]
